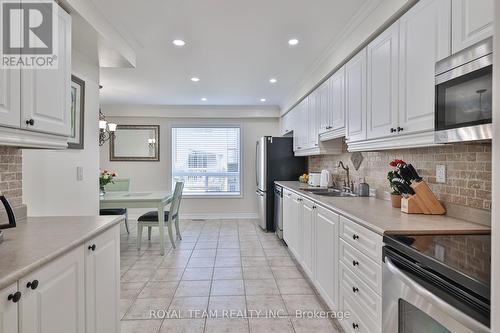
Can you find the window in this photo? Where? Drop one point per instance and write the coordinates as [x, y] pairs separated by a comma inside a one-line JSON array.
[[207, 160]]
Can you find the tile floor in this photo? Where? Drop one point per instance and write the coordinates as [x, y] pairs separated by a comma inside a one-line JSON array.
[[228, 269]]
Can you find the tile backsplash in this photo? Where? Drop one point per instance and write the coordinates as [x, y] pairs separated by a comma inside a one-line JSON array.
[[11, 178], [468, 171]]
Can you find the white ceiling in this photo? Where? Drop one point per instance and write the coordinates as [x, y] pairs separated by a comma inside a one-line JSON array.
[[233, 46]]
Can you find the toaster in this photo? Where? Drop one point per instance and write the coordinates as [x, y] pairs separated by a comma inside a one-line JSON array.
[[314, 179]]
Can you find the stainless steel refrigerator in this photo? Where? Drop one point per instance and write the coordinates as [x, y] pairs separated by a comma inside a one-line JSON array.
[[274, 160]]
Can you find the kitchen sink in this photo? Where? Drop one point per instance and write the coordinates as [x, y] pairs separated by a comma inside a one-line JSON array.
[[329, 192]]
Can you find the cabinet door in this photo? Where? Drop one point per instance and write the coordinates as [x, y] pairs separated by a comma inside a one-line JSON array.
[[307, 234], [324, 122], [425, 38], [8, 311], [10, 97], [355, 81], [57, 305], [46, 94], [302, 123], [326, 256], [382, 89], [472, 21], [291, 219], [102, 283], [337, 96], [312, 119]]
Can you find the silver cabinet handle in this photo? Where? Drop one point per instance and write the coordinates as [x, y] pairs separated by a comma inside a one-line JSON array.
[[436, 301]]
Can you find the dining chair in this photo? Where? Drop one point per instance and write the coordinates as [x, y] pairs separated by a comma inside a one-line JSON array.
[[119, 185], [150, 219]]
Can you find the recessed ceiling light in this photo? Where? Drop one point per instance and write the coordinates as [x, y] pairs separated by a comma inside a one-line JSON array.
[[178, 42], [204, 99], [195, 79], [262, 99], [273, 80], [293, 41]]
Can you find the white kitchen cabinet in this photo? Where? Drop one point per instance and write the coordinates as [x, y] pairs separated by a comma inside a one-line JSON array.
[[300, 134], [307, 221], [337, 102], [313, 105], [10, 97], [287, 122], [324, 117], [102, 282], [472, 21], [382, 83], [57, 303], [355, 97], [8, 310], [326, 255], [291, 219], [425, 38], [46, 94]]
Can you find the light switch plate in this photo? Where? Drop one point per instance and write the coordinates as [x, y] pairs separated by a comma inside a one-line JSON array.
[[79, 173], [441, 173]]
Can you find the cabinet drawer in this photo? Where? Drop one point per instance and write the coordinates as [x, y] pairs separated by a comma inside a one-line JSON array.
[[367, 299], [357, 321], [363, 267], [361, 238]]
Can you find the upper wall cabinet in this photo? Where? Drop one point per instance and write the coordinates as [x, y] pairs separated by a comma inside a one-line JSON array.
[[382, 88], [10, 99], [424, 39], [333, 106], [46, 95], [355, 97], [35, 104], [286, 123], [472, 22]]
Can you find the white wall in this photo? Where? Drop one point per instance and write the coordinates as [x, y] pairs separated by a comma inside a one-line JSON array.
[[49, 177], [156, 175], [495, 251], [360, 29]]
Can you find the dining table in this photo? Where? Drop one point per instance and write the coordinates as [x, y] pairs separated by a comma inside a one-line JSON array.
[[148, 199]]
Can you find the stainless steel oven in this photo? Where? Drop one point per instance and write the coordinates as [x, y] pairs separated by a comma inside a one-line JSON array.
[[463, 106], [423, 294]]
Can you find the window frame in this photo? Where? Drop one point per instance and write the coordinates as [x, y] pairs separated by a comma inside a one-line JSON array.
[[209, 124]]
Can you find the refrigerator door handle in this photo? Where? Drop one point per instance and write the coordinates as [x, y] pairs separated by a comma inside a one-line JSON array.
[[257, 164]]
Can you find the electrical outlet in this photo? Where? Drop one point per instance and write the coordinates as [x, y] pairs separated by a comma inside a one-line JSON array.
[[79, 173], [441, 173]]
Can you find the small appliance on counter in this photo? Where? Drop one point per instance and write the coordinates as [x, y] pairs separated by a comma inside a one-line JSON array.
[[326, 179], [10, 215], [314, 179], [363, 189], [436, 283]]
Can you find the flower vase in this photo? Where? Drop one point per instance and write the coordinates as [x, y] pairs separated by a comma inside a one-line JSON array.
[[396, 200], [102, 191]]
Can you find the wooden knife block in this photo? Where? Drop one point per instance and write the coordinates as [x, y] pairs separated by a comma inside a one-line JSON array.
[[422, 202]]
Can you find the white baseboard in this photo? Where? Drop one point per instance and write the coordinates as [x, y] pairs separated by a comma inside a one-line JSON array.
[[206, 216]]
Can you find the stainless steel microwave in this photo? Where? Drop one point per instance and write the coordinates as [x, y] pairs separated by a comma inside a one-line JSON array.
[[463, 107]]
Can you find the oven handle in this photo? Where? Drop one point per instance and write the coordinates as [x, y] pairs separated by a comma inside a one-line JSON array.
[[457, 315]]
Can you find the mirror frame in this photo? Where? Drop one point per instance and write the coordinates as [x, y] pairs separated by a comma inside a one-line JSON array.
[[155, 158]]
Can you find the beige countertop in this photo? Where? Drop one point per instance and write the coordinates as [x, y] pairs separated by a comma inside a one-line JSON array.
[[380, 217], [39, 240]]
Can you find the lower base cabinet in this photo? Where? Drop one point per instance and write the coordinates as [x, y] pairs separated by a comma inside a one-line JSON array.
[[78, 292], [307, 224], [326, 255]]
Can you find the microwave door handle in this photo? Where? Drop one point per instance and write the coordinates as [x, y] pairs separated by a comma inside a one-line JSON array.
[[465, 320]]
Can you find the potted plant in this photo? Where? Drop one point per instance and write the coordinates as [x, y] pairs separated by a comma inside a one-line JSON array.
[[395, 194], [105, 177]]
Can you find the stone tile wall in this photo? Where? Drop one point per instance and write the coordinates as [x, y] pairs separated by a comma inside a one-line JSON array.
[[11, 178], [468, 171]]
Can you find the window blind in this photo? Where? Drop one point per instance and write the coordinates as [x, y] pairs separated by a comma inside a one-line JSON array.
[[207, 160]]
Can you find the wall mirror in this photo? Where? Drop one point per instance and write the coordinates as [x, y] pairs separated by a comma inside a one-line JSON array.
[[135, 143]]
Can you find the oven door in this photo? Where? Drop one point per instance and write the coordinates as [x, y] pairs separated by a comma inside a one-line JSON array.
[[463, 108], [409, 307]]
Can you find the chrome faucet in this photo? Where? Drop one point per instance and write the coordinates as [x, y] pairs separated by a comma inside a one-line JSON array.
[[349, 185]]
